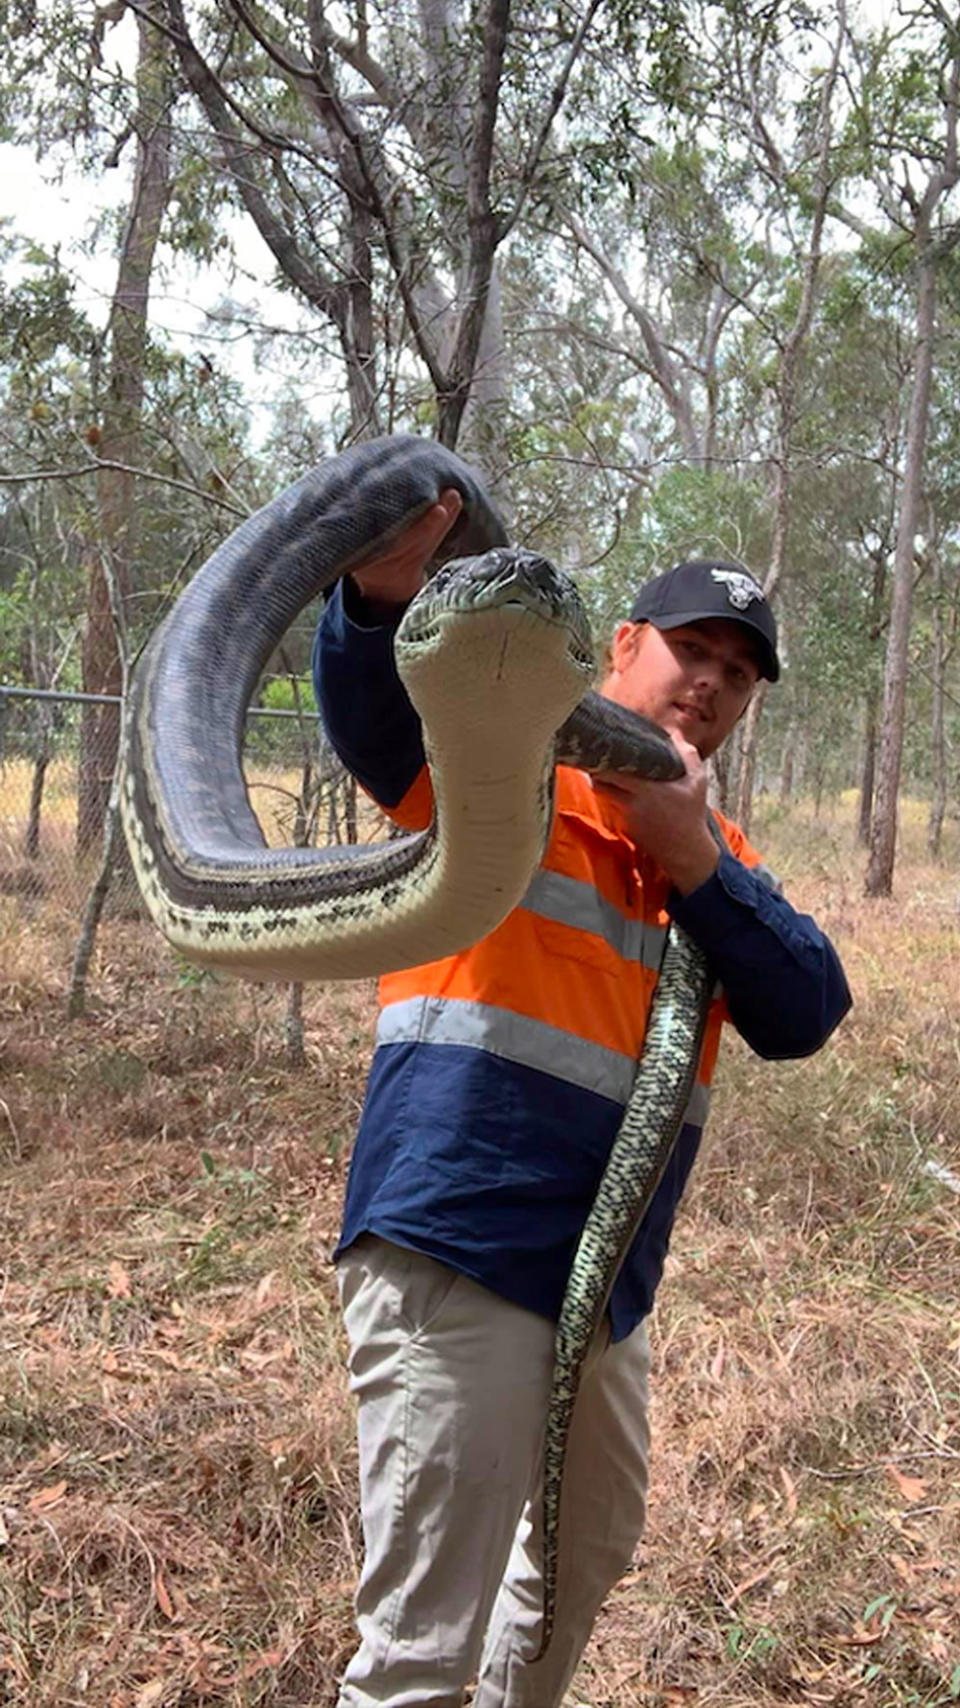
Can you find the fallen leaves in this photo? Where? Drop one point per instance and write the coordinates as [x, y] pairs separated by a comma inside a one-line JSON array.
[[118, 1281], [753, 1580], [196, 1415], [48, 1497], [913, 1489], [162, 1595], [258, 1664], [789, 1492]]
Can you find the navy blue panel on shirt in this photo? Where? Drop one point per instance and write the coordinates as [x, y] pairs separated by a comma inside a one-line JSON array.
[[490, 1167], [785, 987], [364, 706]]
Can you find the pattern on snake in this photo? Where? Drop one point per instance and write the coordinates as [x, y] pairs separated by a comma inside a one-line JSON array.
[[640, 1152], [511, 629], [515, 682]]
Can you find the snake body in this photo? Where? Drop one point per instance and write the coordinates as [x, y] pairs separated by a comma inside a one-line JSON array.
[[640, 1152], [508, 701], [514, 631]]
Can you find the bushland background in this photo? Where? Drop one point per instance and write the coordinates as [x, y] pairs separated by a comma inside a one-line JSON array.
[[677, 279]]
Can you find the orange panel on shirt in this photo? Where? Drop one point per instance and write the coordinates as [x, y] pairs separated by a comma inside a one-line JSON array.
[[546, 971], [567, 977]]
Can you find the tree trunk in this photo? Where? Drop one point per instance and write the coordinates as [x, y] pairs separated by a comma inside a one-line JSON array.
[[99, 724], [786, 772], [819, 778], [92, 913], [350, 808], [31, 840], [120, 435], [293, 1027], [749, 742], [883, 829], [868, 770], [938, 798], [793, 348]]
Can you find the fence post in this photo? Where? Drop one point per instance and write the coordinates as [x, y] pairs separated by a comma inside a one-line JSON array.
[[76, 995]]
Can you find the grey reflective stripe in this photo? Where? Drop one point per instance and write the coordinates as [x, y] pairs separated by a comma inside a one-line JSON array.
[[569, 901], [516, 1038], [767, 877], [500, 1032]]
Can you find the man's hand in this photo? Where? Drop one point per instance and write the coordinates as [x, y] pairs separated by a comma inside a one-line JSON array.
[[668, 821], [392, 579]]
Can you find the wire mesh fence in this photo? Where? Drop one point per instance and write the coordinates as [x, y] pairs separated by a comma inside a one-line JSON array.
[[56, 763]]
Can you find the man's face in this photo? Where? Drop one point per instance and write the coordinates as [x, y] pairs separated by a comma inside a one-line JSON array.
[[695, 680]]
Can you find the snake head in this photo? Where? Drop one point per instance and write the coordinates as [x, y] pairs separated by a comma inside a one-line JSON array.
[[505, 575]]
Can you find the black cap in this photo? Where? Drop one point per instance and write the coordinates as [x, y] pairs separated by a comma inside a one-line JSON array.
[[707, 587]]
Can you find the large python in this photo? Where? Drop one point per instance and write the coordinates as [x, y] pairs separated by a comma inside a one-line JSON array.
[[495, 663], [496, 657]]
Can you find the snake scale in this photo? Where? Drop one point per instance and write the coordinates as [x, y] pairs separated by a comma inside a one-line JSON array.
[[496, 656]]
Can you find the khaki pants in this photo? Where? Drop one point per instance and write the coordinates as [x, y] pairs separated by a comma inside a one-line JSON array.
[[451, 1383]]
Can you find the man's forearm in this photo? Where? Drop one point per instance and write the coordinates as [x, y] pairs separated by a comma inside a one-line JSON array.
[[784, 985], [364, 706]]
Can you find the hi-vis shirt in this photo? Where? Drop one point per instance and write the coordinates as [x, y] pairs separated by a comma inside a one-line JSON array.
[[500, 1074]]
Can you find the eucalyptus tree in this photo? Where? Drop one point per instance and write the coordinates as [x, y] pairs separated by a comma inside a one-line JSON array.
[[385, 155], [712, 296], [800, 189], [944, 644], [678, 262], [73, 102], [118, 435], [935, 648], [905, 82], [45, 347]]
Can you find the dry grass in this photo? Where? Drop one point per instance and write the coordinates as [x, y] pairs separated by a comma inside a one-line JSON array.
[[177, 1479], [53, 877]]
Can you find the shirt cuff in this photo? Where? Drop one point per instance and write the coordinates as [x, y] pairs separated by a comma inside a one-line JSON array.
[[357, 614], [736, 903]]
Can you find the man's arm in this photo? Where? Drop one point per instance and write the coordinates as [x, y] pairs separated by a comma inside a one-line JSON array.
[[782, 978], [784, 985], [366, 713]]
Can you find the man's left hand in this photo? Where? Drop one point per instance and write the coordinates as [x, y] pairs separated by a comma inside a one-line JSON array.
[[668, 821]]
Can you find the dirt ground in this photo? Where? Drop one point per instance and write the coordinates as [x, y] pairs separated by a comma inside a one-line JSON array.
[[177, 1472]]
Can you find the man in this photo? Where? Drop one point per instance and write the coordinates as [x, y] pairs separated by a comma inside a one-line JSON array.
[[495, 1092]]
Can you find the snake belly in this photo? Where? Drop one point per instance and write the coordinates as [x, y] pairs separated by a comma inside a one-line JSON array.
[[493, 677], [648, 1131]]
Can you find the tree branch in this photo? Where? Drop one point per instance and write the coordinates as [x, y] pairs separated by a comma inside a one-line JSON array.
[[322, 292], [335, 113], [535, 152], [663, 369], [97, 463]]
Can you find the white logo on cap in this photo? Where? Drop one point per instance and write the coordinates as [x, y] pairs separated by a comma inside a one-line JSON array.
[[741, 588]]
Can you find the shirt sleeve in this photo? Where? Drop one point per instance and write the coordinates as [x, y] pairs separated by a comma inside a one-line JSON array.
[[364, 707], [784, 985]]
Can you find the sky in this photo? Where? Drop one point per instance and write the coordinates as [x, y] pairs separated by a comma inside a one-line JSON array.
[[48, 203], [33, 205]]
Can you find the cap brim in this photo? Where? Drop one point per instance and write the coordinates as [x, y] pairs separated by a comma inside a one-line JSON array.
[[769, 663]]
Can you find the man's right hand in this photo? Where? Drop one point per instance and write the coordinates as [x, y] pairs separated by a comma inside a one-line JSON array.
[[391, 580]]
